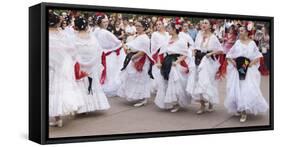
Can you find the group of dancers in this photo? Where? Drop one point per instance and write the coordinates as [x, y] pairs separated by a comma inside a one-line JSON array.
[[89, 64]]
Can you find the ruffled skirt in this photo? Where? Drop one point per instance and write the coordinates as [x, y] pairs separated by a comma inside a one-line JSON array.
[[92, 101], [172, 92], [206, 85], [114, 64], [244, 95], [135, 85], [64, 96]]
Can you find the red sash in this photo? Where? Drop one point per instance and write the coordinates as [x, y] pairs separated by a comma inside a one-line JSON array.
[[223, 64], [184, 64], [103, 62], [140, 63], [161, 58], [263, 69], [79, 74], [155, 56]]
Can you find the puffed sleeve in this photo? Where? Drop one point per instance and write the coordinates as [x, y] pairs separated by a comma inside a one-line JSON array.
[[217, 45], [154, 42], [255, 52], [116, 43], [69, 43], [140, 43]]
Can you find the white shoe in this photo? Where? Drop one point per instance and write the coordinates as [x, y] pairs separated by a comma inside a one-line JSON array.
[[142, 103], [52, 124], [211, 108], [73, 113], [201, 111], [243, 118], [60, 123], [176, 109]]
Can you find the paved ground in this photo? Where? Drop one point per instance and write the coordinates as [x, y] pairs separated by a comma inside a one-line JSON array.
[[124, 118]]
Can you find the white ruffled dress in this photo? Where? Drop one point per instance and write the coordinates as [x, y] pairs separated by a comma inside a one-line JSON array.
[[64, 96], [172, 92], [206, 84], [244, 95], [136, 85], [88, 55], [114, 62], [158, 40]]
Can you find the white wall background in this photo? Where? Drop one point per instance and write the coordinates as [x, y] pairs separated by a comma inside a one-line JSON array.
[[14, 71]]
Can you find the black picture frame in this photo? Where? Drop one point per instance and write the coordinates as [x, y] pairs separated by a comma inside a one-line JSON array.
[[38, 73]]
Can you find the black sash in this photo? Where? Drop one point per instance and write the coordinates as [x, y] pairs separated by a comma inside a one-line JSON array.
[[242, 64], [128, 59], [199, 55], [150, 71], [167, 65], [90, 91], [150, 67]]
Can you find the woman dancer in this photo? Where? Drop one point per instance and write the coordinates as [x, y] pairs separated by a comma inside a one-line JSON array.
[[88, 67], [171, 92], [243, 78], [135, 79], [64, 96], [207, 46], [158, 40], [112, 56]]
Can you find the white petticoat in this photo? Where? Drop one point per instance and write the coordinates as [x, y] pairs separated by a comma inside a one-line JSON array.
[[244, 95], [114, 64], [172, 92], [191, 76], [135, 85], [95, 101], [157, 78], [64, 96], [206, 86]]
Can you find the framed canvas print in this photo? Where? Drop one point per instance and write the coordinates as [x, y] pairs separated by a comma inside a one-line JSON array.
[[103, 73]]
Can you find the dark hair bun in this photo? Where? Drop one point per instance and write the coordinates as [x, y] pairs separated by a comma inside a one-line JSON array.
[[53, 19], [80, 23], [145, 24]]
